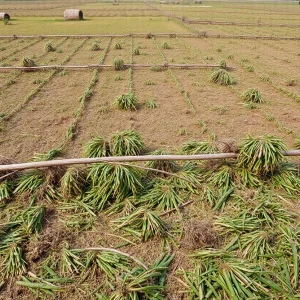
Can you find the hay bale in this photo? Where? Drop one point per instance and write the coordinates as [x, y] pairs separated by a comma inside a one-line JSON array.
[[4, 16], [73, 14]]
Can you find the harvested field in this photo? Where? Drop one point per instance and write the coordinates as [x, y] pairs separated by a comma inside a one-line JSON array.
[[183, 79]]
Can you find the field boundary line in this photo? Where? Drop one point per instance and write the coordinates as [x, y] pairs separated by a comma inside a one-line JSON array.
[[82, 161], [100, 66], [194, 21], [200, 34]]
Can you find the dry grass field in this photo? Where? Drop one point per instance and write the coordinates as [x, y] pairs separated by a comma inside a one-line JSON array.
[[226, 229]]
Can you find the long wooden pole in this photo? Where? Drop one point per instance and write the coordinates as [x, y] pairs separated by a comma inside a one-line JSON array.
[[76, 161], [163, 34], [183, 35], [97, 66], [190, 21]]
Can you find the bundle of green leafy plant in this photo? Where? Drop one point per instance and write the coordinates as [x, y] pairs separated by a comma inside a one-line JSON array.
[[144, 284], [118, 46], [136, 51], [119, 64], [97, 147], [127, 142], [142, 224], [261, 155], [27, 62], [127, 102], [95, 47], [222, 275], [253, 95], [111, 182], [49, 47], [199, 147], [222, 77], [223, 64], [165, 45]]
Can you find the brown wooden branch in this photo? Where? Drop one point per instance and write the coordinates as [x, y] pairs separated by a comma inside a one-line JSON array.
[[190, 21], [82, 161], [183, 35], [100, 66]]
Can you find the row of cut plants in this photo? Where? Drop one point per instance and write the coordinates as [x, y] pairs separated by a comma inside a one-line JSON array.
[[253, 237]]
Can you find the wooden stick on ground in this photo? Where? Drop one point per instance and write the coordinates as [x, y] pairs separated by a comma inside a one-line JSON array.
[[100, 66], [82, 161]]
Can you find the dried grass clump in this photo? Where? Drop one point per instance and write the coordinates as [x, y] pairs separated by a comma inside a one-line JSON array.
[[27, 62], [95, 47], [49, 47], [291, 82], [199, 234], [119, 64], [253, 95], [165, 46], [136, 51], [118, 46], [151, 104], [222, 77], [223, 64]]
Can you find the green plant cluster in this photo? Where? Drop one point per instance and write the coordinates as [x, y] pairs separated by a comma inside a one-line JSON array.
[[257, 252]]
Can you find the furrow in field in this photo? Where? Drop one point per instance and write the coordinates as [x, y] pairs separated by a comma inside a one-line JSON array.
[[184, 92], [8, 79], [148, 52], [9, 45], [172, 122], [278, 65], [279, 106], [222, 109], [101, 116], [179, 52], [13, 97], [124, 53], [14, 94], [43, 122], [291, 47], [25, 44], [31, 52], [276, 104], [266, 61], [61, 50], [86, 56]]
